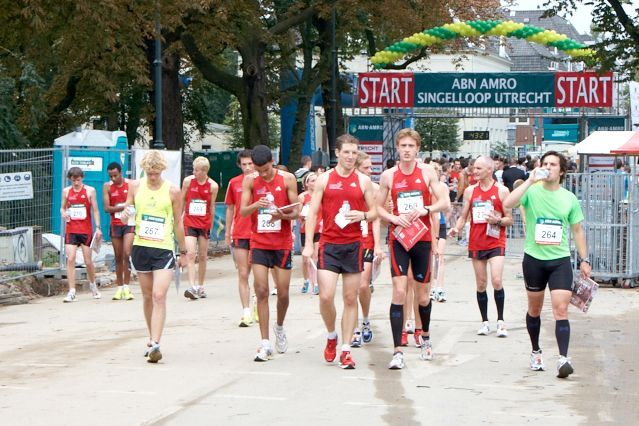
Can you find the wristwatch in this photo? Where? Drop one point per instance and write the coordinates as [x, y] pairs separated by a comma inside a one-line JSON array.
[[584, 260], [427, 210]]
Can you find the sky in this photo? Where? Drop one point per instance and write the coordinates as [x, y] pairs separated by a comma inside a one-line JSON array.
[[580, 19]]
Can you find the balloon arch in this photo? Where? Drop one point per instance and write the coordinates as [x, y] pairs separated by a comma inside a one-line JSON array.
[[499, 28]]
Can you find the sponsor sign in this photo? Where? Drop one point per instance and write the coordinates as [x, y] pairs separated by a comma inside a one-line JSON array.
[[522, 90], [16, 186], [87, 164]]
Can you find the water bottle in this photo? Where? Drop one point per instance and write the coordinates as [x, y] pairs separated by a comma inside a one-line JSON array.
[[346, 207], [131, 213]]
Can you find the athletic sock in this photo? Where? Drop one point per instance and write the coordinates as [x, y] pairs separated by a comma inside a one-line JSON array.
[[424, 315], [500, 295], [246, 312], [562, 333], [332, 335], [365, 320], [482, 301], [533, 324], [397, 323], [346, 348], [125, 287]]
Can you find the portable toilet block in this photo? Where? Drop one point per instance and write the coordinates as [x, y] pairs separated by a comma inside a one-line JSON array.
[[92, 151]]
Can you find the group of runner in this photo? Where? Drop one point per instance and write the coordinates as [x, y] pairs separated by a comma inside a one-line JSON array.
[[341, 212]]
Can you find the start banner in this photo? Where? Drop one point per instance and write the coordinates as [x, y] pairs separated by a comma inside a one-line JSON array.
[[483, 90]]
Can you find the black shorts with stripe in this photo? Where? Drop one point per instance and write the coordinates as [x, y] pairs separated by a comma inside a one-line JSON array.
[[271, 258], [118, 231], [487, 254], [418, 258], [341, 258], [149, 259], [78, 239]]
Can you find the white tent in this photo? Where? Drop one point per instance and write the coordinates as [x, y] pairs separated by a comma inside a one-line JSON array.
[[93, 138], [602, 143]]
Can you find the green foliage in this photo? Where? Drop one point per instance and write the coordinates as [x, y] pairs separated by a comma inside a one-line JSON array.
[[233, 119], [502, 150], [439, 134], [10, 135]]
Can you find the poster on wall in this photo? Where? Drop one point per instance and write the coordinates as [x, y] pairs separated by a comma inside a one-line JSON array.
[[370, 133], [173, 173]]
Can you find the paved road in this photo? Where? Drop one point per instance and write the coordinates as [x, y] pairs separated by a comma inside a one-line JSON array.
[[76, 363]]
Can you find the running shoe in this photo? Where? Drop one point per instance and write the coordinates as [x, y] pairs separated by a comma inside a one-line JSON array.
[[440, 295], [404, 341], [367, 333], [70, 297], [427, 350], [274, 291], [397, 363], [305, 286], [153, 355], [281, 343], [372, 287], [245, 322], [118, 294], [356, 342], [484, 330], [191, 293], [432, 294], [417, 335], [264, 353], [346, 361], [94, 290], [537, 361], [330, 351], [502, 331], [410, 327], [127, 295], [564, 367], [316, 289], [201, 293]]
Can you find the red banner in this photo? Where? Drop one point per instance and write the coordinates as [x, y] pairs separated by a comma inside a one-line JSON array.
[[583, 89], [386, 89]]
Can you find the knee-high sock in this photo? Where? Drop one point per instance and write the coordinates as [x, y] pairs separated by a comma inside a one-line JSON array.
[[424, 315], [533, 324], [562, 333], [482, 301], [500, 295], [397, 323]]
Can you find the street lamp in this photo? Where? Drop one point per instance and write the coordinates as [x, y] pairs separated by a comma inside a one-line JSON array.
[[157, 64]]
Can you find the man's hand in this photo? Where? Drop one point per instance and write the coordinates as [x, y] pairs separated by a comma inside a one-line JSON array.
[[307, 252], [402, 220], [585, 269]]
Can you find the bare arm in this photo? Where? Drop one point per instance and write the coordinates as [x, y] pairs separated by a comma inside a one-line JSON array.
[[178, 229], [291, 192], [369, 196], [246, 208], [106, 200], [228, 229], [95, 209], [582, 248], [463, 217], [514, 198], [311, 218], [63, 204], [382, 196], [507, 219], [185, 190], [214, 189]]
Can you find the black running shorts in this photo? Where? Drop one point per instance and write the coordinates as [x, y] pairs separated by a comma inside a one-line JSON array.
[[118, 231], [369, 255], [244, 244], [557, 273], [487, 254], [149, 259], [271, 258], [78, 239], [196, 232], [341, 258], [418, 258], [316, 237]]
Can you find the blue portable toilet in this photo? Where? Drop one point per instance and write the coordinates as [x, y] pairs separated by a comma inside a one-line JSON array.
[[92, 151]]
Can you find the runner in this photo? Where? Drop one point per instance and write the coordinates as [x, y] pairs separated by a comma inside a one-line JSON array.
[[346, 198], [372, 252], [263, 196], [410, 185], [114, 195], [238, 235], [308, 183], [158, 211], [483, 204], [550, 210], [198, 197], [79, 204]]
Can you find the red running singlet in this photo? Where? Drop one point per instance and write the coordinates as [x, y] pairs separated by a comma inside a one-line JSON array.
[[269, 235], [118, 195], [197, 209], [241, 225], [79, 208], [480, 203], [409, 191], [341, 194]]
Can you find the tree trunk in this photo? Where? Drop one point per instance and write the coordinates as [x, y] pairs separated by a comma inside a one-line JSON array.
[[254, 101]]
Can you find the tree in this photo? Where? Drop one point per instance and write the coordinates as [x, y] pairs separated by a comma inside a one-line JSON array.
[[438, 134], [233, 119], [616, 22]]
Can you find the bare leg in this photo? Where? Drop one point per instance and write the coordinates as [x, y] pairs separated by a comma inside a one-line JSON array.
[[70, 252], [260, 283], [243, 271], [191, 247], [327, 284], [282, 283], [202, 257], [350, 285], [120, 267]]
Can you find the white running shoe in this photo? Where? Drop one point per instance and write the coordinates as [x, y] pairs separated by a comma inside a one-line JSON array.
[[274, 291], [70, 297], [94, 290], [410, 327], [564, 367], [484, 330], [440, 295], [427, 350], [281, 344], [502, 331], [537, 361], [264, 353], [397, 363]]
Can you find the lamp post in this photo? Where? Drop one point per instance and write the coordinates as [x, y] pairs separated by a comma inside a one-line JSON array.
[[157, 64]]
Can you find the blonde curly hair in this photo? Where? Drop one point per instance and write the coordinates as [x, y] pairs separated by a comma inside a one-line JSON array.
[[153, 161]]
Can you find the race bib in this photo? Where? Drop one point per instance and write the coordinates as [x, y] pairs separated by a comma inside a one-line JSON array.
[[152, 228], [481, 209], [118, 215], [305, 210], [548, 231], [408, 201], [197, 208], [364, 226], [78, 212], [264, 223]]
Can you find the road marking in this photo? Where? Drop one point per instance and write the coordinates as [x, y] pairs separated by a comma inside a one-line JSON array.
[[257, 397]]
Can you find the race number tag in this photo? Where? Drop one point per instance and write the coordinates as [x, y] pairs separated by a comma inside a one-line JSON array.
[[305, 210], [152, 228], [548, 231], [481, 209], [408, 201], [197, 208], [118, 215], [264, 223], [364, 227], [78, 212]]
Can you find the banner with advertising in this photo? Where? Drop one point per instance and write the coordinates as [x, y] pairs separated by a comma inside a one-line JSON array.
[[485, 90], [370, 133]]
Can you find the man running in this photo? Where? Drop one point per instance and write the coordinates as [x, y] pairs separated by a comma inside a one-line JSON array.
[[238, 234], [114, 195], [199, 192], [79, 204], [410, 185], [550, 209], [263, 197], [483, 203], [158, 213], [346, 198]]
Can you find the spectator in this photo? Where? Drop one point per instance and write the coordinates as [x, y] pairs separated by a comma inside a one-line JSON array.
[[512, 173]]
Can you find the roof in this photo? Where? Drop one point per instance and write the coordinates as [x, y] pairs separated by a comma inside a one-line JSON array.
[[602, 143], [92, 138]]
